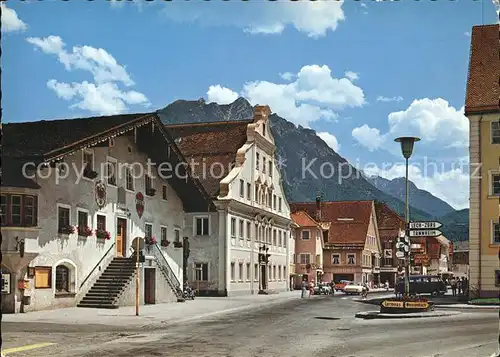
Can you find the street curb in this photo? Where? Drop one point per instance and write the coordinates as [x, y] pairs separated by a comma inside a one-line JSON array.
[[370, 315], [471, 307]]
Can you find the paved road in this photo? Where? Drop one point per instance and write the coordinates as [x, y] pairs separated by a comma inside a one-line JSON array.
[[320, 326]]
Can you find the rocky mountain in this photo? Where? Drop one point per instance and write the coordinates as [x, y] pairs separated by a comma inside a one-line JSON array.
[[298, 148], [420, 199]]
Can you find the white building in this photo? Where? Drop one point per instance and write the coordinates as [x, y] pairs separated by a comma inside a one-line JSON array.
[[47, 265], [242, 247]]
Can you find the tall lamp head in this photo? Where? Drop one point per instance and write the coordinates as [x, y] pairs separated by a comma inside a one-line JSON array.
[[407, 145]]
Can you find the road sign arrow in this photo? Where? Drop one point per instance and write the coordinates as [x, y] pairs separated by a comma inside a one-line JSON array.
[[425, 225], [426, 233]]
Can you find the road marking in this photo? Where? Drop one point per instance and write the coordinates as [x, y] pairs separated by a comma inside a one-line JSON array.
[[27, 347]]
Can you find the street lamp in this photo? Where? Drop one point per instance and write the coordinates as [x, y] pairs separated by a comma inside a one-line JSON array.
[[407, 143]]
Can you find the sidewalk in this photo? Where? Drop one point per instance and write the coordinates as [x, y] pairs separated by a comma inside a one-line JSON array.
[[201, 307]]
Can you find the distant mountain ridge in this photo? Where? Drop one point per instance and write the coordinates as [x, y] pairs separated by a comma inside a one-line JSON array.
[[297, 147]]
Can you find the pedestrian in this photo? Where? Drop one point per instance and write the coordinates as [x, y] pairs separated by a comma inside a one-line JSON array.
[[459, 287], [453, 283], [304, 289], [311, 288], [387, 285]]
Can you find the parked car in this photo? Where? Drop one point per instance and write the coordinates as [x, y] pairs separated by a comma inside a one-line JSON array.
[[423, 284], [353, 288], [323, 288], [341, 285]]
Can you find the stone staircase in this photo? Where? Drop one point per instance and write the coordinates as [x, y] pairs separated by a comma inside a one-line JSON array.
[[106, 290]]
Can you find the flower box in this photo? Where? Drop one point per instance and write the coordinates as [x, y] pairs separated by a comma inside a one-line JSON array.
[[150, 240], [67, 230], [165, 243], [102, 234], [151, 192], [177, 244], [84, 231], [90, 174]]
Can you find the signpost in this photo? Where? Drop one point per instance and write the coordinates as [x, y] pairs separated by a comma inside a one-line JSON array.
[[425, 225], [425, 233]]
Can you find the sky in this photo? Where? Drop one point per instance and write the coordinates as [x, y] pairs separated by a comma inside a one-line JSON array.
[[360, 73]]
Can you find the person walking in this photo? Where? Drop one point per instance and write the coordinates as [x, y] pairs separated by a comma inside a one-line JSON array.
[[453, 283], [311, 288], [304, 289], [459, 287]]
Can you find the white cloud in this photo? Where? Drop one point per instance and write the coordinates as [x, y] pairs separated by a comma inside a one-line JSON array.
[[287, 76], [103, 96], [330, 140], [221, 95], [364, 5], [10, 21], [314, 95], [351, 75], [450, 185], [369, 137], [314, 18], [433, 120], [468, 34], [389, 99]]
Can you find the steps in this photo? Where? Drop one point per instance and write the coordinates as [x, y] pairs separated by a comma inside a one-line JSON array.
[[106, 290]]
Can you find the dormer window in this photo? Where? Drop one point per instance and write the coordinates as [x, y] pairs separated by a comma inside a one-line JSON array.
[[263, 129]]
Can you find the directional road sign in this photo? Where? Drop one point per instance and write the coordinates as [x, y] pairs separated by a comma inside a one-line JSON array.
[[400, 255], [426, 233], [425, 225]]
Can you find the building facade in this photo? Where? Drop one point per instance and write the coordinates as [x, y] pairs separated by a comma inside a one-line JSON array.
[[309, 246], [352, 249], [75, 202], [244, 246], [460, 259], [482, 107]]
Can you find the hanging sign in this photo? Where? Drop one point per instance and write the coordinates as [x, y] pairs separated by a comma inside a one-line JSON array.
[[139, 204]]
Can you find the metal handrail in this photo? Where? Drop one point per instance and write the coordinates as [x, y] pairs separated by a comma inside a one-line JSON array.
[[169, 273], [100, 261]]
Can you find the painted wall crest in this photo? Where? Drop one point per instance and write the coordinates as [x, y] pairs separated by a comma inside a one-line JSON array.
[[100, 194]]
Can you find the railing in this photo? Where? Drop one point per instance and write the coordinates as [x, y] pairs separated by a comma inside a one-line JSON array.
[[95, 267], [166, 269]]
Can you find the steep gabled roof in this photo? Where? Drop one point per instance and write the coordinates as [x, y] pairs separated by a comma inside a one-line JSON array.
[[389, 222], [349, 220], [483, 88], [303, 219], [212, 144]]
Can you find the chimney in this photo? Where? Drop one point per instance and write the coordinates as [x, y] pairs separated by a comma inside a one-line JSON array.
[[318, 208]]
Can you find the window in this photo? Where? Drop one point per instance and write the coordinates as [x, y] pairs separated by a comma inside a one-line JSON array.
[[279, 204], [274, 201], [233, 273], [240, 271], [270, 168], [3, 209], [83, 222], [257, 160], [202, 226], [111, 164], [495, 184], [249, 228], [63, 221], [148, 230], [62, 279], [249, 191], [130, 179], [248, 271], [351, 259], [43, 277], [496, 233], [101, 222], [88, 163], [177, 235], [284, 239], [242, 188], [241, 230], [279, 272], [148, 184], [201, 271], [305, 235], [279, 239], [269, 199], [16, 209], [264, 165], [274, 272], [495, 132], [29, 211], [256, 272], [257, 193], [164, 192], [305, 258], [257, 232], [163, 235], [263, 129], [233, 227], [335, 258]]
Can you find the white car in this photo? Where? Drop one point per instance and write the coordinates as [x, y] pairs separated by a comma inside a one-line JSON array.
[[353, 288]]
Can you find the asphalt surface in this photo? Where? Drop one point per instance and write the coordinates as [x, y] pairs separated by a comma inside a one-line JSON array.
[[320, 326]]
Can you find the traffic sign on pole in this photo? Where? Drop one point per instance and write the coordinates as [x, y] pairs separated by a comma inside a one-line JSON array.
[[425, 225], [426, 233]]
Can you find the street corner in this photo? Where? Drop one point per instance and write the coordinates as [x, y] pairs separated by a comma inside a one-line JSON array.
[[369, 315], [8, 351]]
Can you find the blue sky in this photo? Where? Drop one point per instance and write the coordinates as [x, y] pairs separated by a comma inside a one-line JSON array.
[[359, 73]]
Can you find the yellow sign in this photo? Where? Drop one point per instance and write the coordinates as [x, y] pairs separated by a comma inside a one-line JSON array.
[[417, 305], [397, 304]]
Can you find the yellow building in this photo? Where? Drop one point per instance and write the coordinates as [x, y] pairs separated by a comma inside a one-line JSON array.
[[482, 107]]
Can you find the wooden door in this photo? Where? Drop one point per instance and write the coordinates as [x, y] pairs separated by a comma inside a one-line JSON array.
[[121, 237], [149, 286]]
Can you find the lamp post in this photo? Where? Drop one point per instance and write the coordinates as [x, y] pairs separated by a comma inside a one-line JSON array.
[[407, 143]]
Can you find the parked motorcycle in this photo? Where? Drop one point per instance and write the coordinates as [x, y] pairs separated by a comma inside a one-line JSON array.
[[188, 293]]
